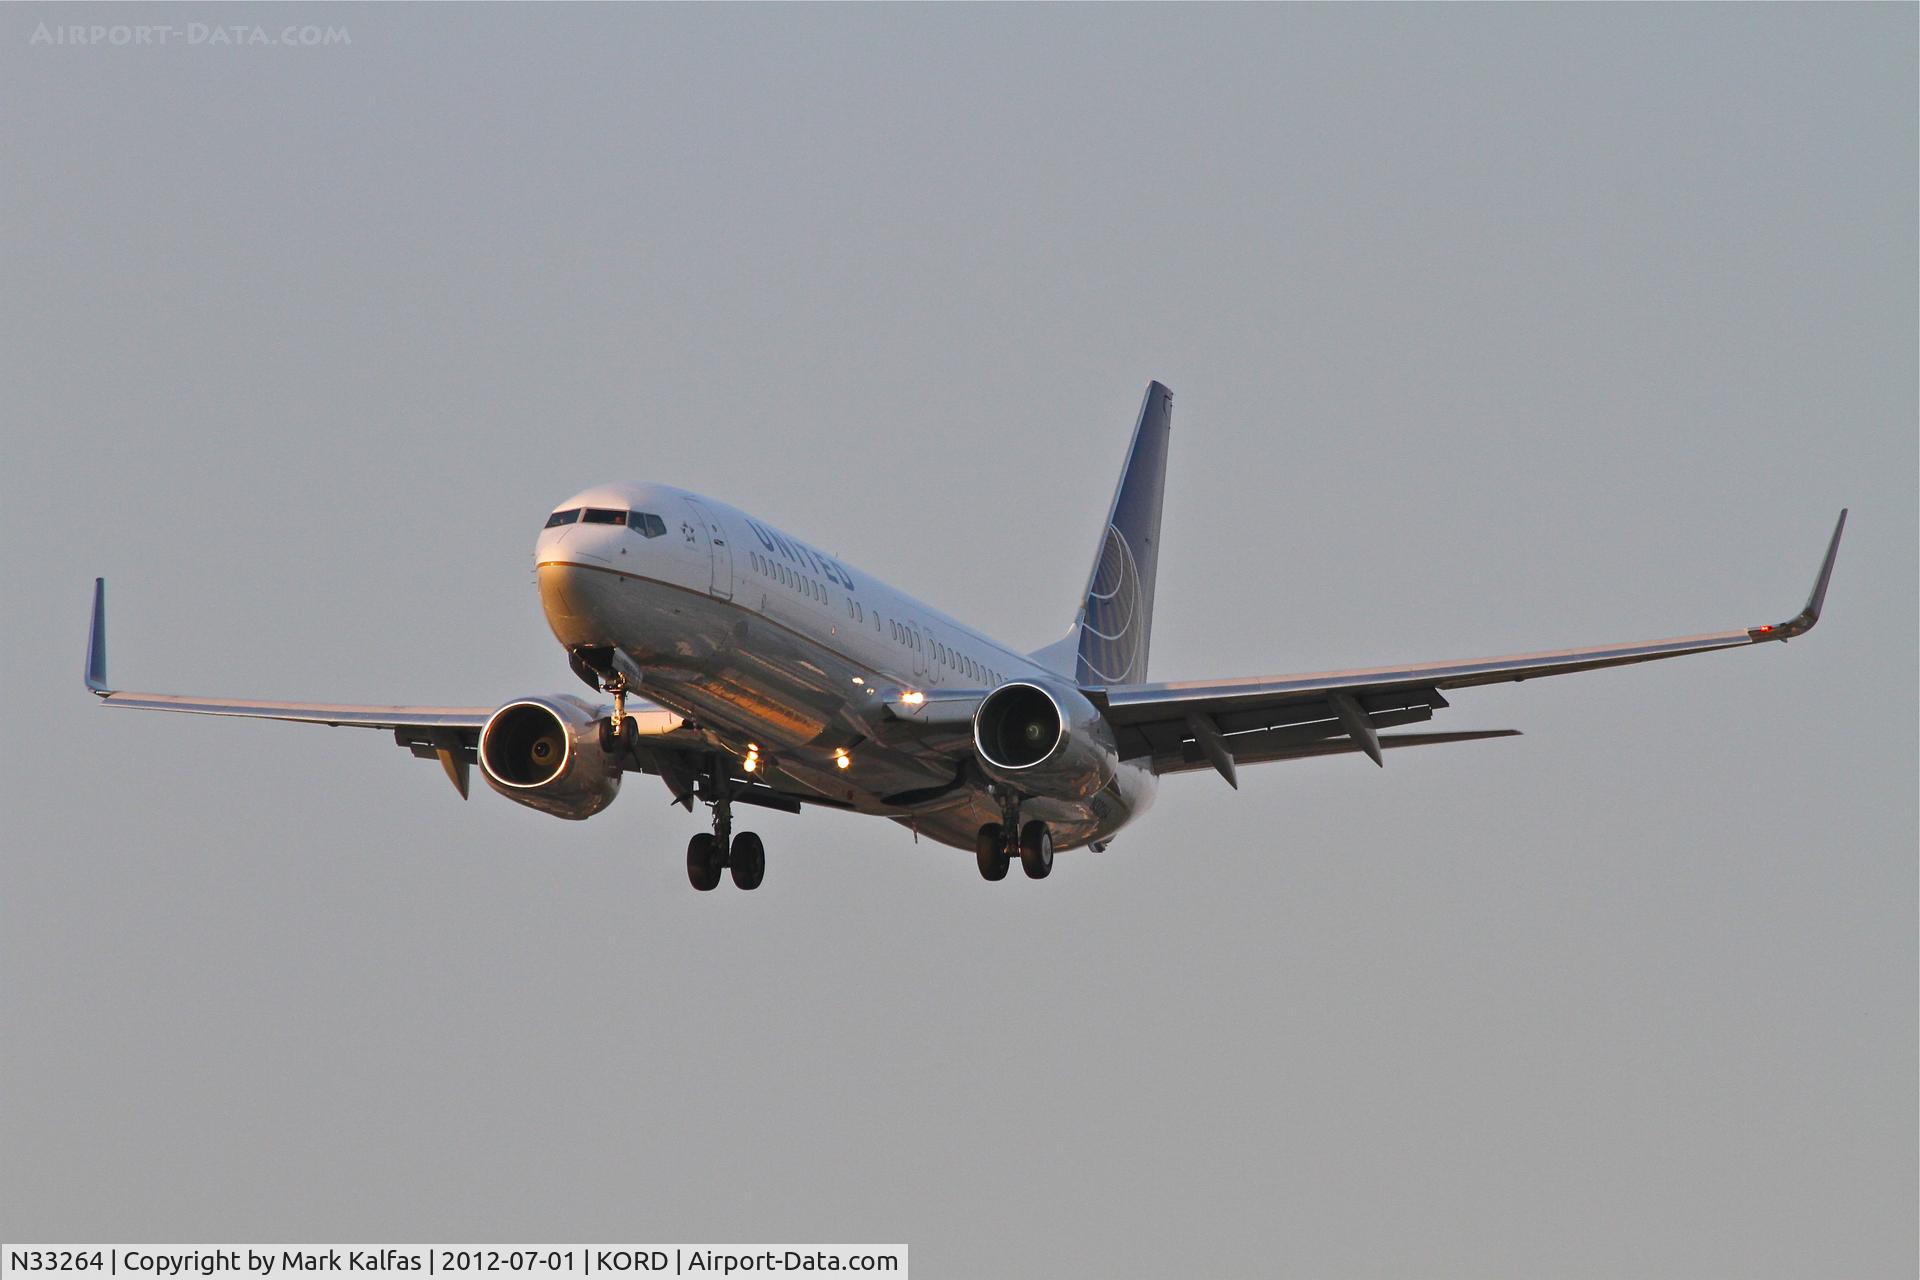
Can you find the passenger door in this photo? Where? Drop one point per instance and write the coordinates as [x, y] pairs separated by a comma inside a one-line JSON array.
[[720, 553], [918, 642]]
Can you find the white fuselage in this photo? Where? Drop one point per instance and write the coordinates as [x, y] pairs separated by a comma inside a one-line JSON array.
[[766, 642]]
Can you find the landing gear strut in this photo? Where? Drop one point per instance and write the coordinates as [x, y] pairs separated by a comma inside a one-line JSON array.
[[999, 843], [617, 686], [710, 853]]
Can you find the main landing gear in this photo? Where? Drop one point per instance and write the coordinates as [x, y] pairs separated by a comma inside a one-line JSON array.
[[746, 859], [999, 843], [709, 853]]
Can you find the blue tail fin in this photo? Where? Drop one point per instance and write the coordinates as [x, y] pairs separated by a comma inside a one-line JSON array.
[[1116, 617]]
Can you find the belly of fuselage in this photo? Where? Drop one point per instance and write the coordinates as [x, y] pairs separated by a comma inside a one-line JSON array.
[[740, 675], [738, 671], [749, 679]]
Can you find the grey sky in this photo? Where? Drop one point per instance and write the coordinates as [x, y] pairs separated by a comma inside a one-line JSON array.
[[1490, 329]]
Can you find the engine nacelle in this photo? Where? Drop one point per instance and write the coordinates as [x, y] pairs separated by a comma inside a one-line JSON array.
[[546, 753], [1045, 739]]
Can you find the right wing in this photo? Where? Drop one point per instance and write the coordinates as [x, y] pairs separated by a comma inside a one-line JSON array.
[[462, 719], [450, 735], [1200, 723]]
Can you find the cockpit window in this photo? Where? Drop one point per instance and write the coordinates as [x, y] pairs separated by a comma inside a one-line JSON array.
[[601, 515], [646, 524], [563, 517]]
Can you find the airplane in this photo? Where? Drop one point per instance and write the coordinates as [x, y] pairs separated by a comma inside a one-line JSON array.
[[747, 667]]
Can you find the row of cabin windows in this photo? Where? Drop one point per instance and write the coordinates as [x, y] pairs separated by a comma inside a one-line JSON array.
[[963, 664], [944, 656], [902, 634], [644, 523], [649, 525], [788, 578]]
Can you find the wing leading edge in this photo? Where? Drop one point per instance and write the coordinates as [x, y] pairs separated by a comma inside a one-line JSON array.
[[1183, 724]]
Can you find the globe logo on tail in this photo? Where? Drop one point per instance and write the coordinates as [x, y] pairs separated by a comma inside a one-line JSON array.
[[1112, 639]]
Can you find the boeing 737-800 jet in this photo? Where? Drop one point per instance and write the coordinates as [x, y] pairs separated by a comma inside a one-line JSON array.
[[777, 676]]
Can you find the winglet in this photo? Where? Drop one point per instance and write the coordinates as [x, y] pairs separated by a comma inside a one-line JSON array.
[[1802, 622], [97, 641]]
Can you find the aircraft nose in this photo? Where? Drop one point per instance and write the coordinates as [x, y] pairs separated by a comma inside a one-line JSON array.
[[593, 544], [570, 597]]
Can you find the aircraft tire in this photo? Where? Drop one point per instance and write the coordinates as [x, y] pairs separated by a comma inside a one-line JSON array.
[[703, 862], [1036, 850], [990, 852], [749, 861]]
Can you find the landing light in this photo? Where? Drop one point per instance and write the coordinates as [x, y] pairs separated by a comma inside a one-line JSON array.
[[859, 680], [913, 699], [841, 759]]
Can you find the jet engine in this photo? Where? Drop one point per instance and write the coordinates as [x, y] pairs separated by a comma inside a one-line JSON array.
[[1050, 740], [546, 753]]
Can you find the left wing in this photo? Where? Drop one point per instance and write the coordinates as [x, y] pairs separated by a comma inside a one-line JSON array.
[[1195, 724]]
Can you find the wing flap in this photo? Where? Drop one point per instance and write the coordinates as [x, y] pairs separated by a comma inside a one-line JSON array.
[[1134, 704], [1266, 748], [329, 713]]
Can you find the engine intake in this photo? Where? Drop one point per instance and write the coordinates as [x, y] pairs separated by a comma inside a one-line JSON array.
[[525, 745], [1047, 740], [1017, 727], [546, 753]]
